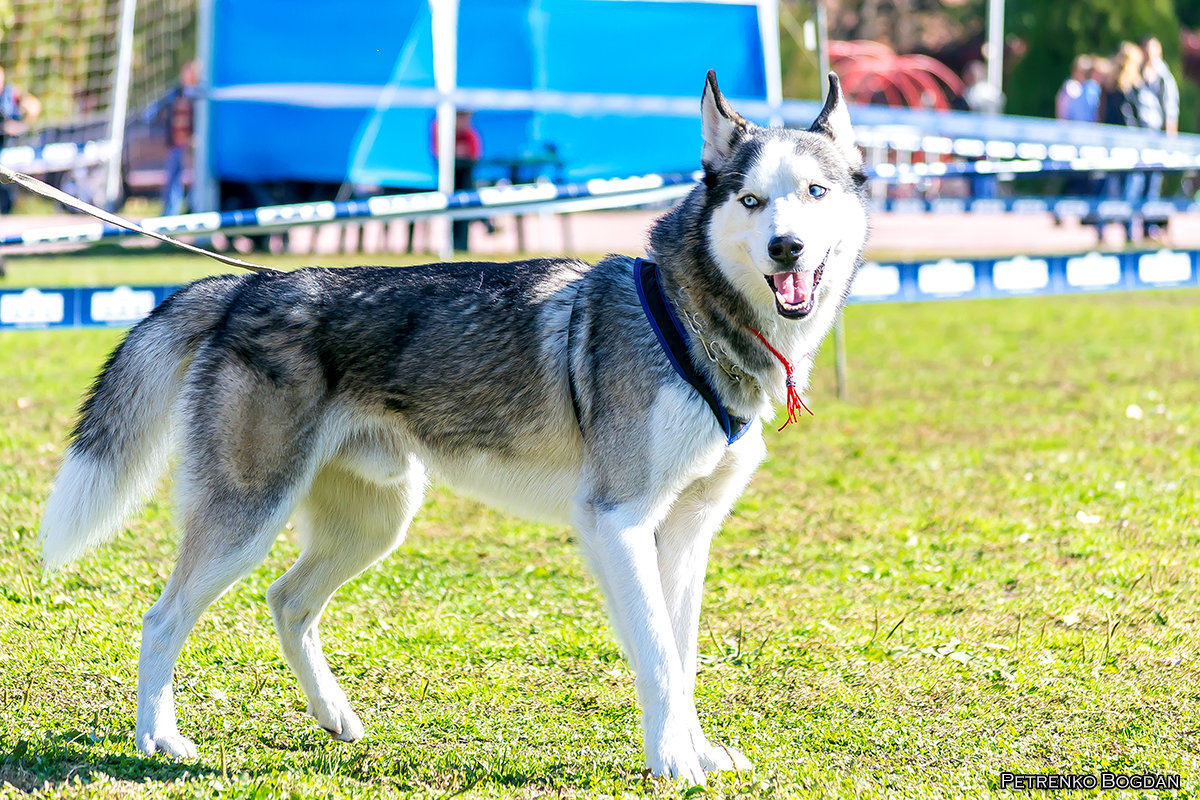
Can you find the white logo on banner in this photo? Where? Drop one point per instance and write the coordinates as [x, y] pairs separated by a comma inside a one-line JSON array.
[[517, 194], [1071, 208], [1029, 206], [948, 205], [908, 205], [301, 212], [391, 205], [87, 232], [987, 206], [873, 280], [946, 277], [1165, 266], [32, 307], [1093, 270], [1021, 274], [612, 185], [122, 304], [208, 221]]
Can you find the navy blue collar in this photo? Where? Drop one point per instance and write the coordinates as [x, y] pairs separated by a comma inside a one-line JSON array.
[[673, 340]]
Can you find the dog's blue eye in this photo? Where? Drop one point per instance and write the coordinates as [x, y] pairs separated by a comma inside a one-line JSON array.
[[816, 191], [750, 201]]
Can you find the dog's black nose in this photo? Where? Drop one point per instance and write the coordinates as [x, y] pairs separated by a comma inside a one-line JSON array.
[[785, 250]]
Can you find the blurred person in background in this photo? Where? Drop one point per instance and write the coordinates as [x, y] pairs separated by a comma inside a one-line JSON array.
[[1125, 103], [982, 98], [176, 108], [1161, 90], [1091, 86], [180, 126], [1078, 100], [18, 111], [1162, 83], [468, 147]]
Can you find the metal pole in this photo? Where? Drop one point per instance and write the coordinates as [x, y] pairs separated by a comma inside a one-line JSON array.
[[995, 44], [768, 26], [204, 195], [445, 77], [823, 46], [839, 334], [116, 134], [839, 359]]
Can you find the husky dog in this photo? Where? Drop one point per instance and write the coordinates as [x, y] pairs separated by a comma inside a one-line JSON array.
[[624, 397]]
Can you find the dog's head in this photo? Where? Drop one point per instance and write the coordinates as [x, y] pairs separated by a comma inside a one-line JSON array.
[[787, 216]]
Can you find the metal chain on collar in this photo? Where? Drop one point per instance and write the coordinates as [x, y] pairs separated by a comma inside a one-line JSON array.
[[713, 349]]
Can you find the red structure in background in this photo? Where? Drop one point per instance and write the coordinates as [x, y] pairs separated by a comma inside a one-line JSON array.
[[873, 73]]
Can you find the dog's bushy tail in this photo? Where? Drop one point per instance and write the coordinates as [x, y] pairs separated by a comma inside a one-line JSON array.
[[119, 446]]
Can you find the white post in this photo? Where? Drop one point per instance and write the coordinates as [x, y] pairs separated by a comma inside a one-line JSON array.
[[204, 194], [120, 106], [823, 47], [839, 333], [768, 26], [995, 44], [444, 16]]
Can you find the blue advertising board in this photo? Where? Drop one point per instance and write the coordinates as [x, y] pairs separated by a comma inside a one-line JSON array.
[[306, 91]]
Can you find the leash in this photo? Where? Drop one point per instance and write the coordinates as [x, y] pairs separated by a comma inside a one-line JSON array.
[[46, 190]]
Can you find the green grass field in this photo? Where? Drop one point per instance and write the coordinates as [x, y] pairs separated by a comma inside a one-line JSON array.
[[987, 561]]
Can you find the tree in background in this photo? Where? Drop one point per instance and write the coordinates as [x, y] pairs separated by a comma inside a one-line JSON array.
[[797, 50]]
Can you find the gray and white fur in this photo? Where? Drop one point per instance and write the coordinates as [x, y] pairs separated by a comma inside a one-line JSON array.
[[330, 395]]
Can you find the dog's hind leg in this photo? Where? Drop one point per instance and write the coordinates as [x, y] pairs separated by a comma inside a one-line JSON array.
[[683, 544], [349, 523], [250, 446], [222, 542]]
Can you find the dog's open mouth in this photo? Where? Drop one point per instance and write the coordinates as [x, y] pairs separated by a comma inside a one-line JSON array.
[[796, 292]]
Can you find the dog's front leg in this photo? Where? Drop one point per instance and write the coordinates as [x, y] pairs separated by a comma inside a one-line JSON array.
[[683, 544], [618, 541]]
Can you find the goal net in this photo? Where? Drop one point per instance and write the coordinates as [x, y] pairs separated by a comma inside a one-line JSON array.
[[65, 53]]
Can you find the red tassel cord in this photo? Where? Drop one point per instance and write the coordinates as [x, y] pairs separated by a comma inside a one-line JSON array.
[[794, 401]]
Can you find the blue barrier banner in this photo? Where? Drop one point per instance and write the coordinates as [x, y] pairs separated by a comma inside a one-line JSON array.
[[1015, 276], [114, 306], [892, 281]]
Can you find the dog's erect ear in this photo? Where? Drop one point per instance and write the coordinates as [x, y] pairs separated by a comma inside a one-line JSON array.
[[721, 125], [834, 122]]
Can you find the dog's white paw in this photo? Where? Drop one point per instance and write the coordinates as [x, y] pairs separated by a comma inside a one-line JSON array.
[[339, 720], [723, 758], [170, 743], [675, 756]]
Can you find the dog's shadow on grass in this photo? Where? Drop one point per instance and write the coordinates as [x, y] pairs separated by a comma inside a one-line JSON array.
[[61, 758]]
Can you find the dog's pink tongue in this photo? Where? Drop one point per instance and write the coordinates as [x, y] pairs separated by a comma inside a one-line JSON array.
[[793, 288]]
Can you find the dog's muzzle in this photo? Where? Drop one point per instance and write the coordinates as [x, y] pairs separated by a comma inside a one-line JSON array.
[[796, 291]]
